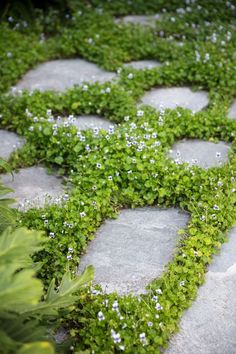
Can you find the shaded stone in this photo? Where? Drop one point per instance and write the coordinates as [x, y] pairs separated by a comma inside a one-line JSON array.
[[139, 19], [90, 122], [201, 153], [176, 96], [59, 75], [9, 143], [33, 187], [209, 326], [143, 64], [132, 250], [232, 111]]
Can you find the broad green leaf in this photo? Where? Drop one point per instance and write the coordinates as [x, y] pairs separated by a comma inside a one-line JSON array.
[[37, 348]]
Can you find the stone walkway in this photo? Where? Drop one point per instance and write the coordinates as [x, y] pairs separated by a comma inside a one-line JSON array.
[[131, 251], [209, 325], [58, 75], [173, 97]]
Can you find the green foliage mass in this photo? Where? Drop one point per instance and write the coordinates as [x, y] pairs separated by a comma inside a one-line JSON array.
[[196, 48]]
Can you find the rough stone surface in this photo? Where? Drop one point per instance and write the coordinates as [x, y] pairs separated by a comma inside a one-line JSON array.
[[143, 64], [209, 326], [32, 187], [201, 153], [232, 111], [132, 250], [59, 75], [141, 20], [8, 143], [92, 121], [176, 96]]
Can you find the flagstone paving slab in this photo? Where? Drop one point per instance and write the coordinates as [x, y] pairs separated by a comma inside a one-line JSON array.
[[33, 186], [132, 250], [139, 19], [232, 111], [90, 122], [58, 75], [8, 143], [209, 326], [173, 97], [143, 64], [201, 153]]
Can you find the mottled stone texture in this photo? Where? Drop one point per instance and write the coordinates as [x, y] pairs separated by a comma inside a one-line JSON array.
[[143, 64], [58, 75], [132, 250], [8, 143], [176, 96], [32, 186], [200, 153], [209, 325], [232, 110]]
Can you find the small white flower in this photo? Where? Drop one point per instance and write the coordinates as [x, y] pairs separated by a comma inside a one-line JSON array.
[[85, 88], [218, 154], [122, 347], [101, 317], [142, 337], [215, 207], [158, 307], [110, 178], [99, 165], [51, 235], [130, 76], [115, 306], [140, 113], [182, 283], [150, 324], [69, 257], [82, 214], [159, 291]]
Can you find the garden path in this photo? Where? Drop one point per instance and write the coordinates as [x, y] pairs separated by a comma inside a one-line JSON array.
[[150, 233]]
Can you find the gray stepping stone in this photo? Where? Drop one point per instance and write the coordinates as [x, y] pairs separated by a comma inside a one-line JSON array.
[[200, 153], [89, 122], [33, 187], [209, 326], [59, 75], [139, 19], [173, 97], [232, 111], [143, 64], [132, 250], [9, 143]]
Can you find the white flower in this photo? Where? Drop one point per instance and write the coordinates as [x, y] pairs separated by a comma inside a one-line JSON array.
[[110, 178], [182, 283], [69, 257], [99, 165], [218, 154], [150, 324], [142, 337], [122, 347], [159, 291], [155, 298], [215, 207], [140, 113], [101, 317], [51, 235], [115, 305], [82, 214], [130, 76], [85, 88], [158, 307]]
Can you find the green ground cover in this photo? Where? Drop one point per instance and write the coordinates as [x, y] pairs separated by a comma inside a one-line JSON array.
[[205, 61]]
